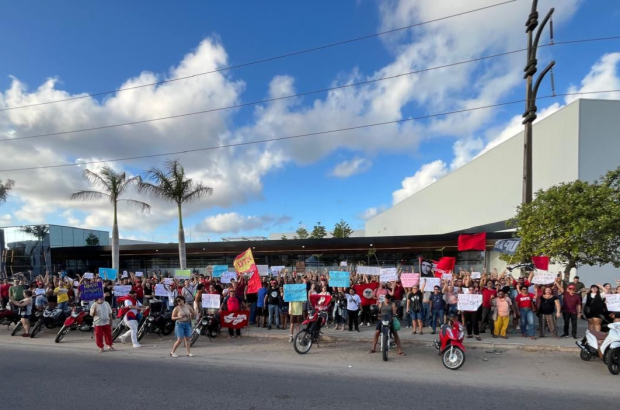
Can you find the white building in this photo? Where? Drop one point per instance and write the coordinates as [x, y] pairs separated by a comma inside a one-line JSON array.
[[580, 141]]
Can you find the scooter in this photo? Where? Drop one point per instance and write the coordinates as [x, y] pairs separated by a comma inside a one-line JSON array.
[[302, 342], [208, 325], [605, 346], [386, 342], [79, 319], [450, 345], [51, 318]]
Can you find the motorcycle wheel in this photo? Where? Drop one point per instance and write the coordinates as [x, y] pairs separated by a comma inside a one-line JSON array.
[[302, 343], [50, 325], [17, 328], [117, 332], [585, 356], [195, 335], [453, 358], [385, 341], [62, 333], [168, 329], [141, 332], [214, 330], [613, 360], [36, 329]]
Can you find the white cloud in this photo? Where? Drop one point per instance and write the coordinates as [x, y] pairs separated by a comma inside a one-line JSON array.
[[371, 213], [233, 222], [5, 220], [425, 176], [602, 76], [351, 167]]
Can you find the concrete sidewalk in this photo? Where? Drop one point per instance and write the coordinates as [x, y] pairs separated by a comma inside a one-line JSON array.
[[514, 341]]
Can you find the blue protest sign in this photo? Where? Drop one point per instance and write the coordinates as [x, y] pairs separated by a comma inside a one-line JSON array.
[[339, 279], [91, 291], [108, 273], [219, 270], [295, 293]]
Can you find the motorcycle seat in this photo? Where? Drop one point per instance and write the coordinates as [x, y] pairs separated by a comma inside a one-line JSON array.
[[600, 336]]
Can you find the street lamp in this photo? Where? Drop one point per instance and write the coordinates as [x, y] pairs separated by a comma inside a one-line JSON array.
[[531, 92]]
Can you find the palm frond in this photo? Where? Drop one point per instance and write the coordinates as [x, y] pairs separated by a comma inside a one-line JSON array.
[[199, 191], [99, 180], [89, 196], [143, 206], [5, 188], [124, 183], [153, 190]]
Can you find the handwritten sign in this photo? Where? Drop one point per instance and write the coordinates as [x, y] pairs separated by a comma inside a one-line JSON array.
[[469, 302], [160, 290], [430, 284], [543, 277], [125, 274], [91, 291], [476, 275], [121, 290], [219, 270], [338, 279], [108, 273], [139, 274], [410, 279], [182, 273], [368, 270], [613, 302], [88, 275], [226, 278], [168, 281], [446, 276], [388, 275], [276, 270], [211, 301], [263, 270], [343, 264], [295, 293]]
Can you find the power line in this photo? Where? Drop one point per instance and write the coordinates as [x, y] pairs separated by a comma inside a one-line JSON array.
[[103, 127], [264, 60], [290, 137]]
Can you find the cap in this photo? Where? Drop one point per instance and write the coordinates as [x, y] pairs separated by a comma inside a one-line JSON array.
[[571, 286]]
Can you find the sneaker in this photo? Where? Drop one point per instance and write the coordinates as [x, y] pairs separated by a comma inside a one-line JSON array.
[[367, 324], [123, 340], [137, 345], [565, 335], [290, 339]]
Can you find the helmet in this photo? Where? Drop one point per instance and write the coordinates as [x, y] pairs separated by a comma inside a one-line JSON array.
[[374, 309]]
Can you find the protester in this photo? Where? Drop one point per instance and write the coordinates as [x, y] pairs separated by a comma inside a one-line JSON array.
[[525, 302], [471, 318], [61, 291], [16, 292], [503, 307], [387, 311], [25, 310], [296, 313], [340, 310], [571, 309], [182, 314], [488, 293], [353, 307], [273, 304], [101, 312], [283, 309], [232, 303], [261, 309], [130, 310], [415, 310], [437, 307], [593, 308], [547, 304]]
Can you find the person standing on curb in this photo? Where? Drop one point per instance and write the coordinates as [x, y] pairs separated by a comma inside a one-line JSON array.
[[502, 308], [353, 307], [571, 309], [130, 316], [272, 301], [525, 303], [101, 311], [182, 315]]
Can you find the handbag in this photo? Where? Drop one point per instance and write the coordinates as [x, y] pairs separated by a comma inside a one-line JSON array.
[[396, 324]]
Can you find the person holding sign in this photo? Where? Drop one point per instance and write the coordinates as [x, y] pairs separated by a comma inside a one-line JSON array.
[[353, 306], [130, 316]]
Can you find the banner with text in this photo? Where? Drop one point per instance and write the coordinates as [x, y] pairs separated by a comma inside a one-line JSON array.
[[368, 270], [121, 290], [91, 291], [389, 275], [160, 290], [430, 283], [613, 302], [235, 320], [295, 293], [182, 274], [469, 302], [211, 301], [543, 277]]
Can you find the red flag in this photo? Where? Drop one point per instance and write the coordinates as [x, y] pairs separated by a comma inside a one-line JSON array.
[[254, 283], [445, 265], [365, 291], [473, 242], [541, 262], [235, 320]]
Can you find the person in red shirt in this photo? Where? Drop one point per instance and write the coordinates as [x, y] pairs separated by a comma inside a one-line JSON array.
[[525, 304], [139, 289], [487, 294], [4, 293], [571, 309]]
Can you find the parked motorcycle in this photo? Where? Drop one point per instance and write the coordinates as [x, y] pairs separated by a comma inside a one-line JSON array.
[[303, 340], [605, 346], [121, 327], [10, 317], [51, 318], [208, 325], [384, 335], [450, 345], [156, 321], [79, 319]]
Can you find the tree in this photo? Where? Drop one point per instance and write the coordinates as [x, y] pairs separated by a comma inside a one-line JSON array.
[[575, 224], [4, 189], [302, 233], [92, 240], [318, 232], [171, 184], [342, 230], [283, 238], [39, 232], [113, 186]]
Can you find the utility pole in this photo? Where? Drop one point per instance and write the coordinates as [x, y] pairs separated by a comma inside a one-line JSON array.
[[531, 92]]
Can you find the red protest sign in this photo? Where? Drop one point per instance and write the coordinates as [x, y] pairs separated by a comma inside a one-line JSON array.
[[235, 320]]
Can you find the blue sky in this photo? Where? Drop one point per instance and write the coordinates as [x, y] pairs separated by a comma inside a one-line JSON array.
[[96, 46]]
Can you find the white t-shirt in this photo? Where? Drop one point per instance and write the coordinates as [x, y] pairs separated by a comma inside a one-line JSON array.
[[101, 313], [133, 313], [353, 302]]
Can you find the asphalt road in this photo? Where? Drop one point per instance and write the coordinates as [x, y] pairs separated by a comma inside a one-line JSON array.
[[257, 374]]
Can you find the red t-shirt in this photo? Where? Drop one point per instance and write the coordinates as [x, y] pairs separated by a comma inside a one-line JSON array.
[[526, 283], [571, 302], [4, 290], [139, 291], [486, 297], [525, 301]]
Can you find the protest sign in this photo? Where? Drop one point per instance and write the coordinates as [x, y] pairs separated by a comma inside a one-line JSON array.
[[160, 290], [446, 276], [226, 278], [182, 274], [219, 270], [343, 264], [108, 273], [410, 279], [211, 301], [168, 281], [263, 270], [388, 275], [295, 293], [88, 275], [475, 275], [91, 291], [76, 283], [465, 290], [613, 302], [300, 267], [125, 274], [139, 274], [368, 270], [338, 279], [543, 277], [121, 290], [469, 302], [235, 320], [430, 284], [276, 270]]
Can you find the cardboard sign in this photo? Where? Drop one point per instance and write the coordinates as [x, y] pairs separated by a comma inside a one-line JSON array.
[[160, 290], [263, 270], [613, 302], [139, 274], [182, 274], [469, 302], [543, 277], [446, 276], [121, 290], [389, 275], [430, 284], [476, 275], [168, 281], [368, 270], [219, 270], [276, 270], [338, 279], [295, 293], [108, 273], [235, 320], [88, 275], [210, 301], [226, 278], [343, 264], [410, 279], [91, 291]]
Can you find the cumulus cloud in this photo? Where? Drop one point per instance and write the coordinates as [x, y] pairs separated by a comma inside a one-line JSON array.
[[426, 175], [233, 222], [602, 76], [371, 213], [5, 220], [351, 167]]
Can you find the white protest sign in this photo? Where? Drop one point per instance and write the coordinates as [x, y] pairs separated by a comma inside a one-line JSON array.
[[88, 275], [446, 276], [276, 270], [138, 274], [167, 281], [343, 264], [613, 302], [465, 290], [211, 301], [263, 270], [469, 302], [226, 278], [121, 290], [430, 283], [368, 270], [389, 275], [543, 277], [160, 290], [125, 274], [410, 279], [475, 275]]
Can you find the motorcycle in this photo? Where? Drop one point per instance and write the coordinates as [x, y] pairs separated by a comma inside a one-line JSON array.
[[10, 317], [450, 345], [121, 327], [79, 319], [51, 318], [605, 346], [386, 342], [156, 321], [374, 313], [303, 340], [208, 325]]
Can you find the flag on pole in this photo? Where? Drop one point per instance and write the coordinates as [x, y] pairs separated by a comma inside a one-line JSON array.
[[244, 263], [473, 242], [444, 265]]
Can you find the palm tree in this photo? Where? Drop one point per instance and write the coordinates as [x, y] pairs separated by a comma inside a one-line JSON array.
[[172, 185], [4, 189], [39, 232], [113, 185]]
